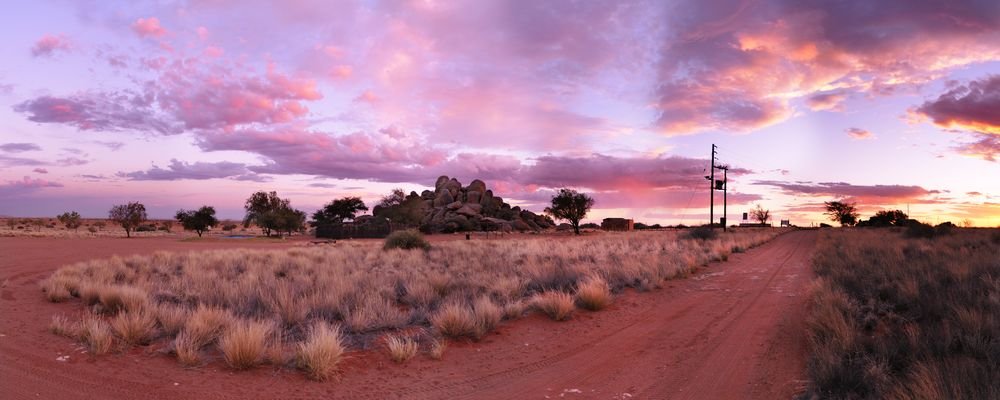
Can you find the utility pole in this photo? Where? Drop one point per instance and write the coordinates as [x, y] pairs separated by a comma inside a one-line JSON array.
[[725, 193], [711, 191]]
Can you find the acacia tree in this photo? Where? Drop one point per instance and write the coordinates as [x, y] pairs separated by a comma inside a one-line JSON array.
[[843, 212], [70, 219], [760, 214], [570, 205], [888, 218], [199, 221], [129, 216], [338, 210], [272, 213], [258, 208]]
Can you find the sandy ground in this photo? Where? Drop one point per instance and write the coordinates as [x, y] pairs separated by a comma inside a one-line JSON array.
[[734, 330]]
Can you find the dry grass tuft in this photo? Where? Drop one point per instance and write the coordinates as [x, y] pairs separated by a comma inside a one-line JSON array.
[[206, 324], [488, 316], [557, 305], [455, 320], [438, 346], [401, 349], [320, 353], [244, 344], [55, 289], [171, 318], [188, 350], [62, 326], [134, 327], [593, 294], [96, 334]]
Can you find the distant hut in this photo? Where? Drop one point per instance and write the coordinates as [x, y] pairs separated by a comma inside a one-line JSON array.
[[617, 224]]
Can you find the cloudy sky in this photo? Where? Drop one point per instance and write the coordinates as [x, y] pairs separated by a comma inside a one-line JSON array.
[[891, 104]]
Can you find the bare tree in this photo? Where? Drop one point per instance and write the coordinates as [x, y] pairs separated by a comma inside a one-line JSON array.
[[760, 214]]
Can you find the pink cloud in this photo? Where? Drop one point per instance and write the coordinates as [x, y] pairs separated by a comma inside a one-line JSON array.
[[859, 134], [110, 112], [602, 172], [832, 101], [212, 51], [196, 171], [870, 194], [148, 27], [972, 106], [40, 171], [26, 185], [19, 147], [49, 45], [734, 68], [987, 148], [202, 32]]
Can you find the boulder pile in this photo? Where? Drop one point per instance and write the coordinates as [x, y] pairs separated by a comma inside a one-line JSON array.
[[452, 207]]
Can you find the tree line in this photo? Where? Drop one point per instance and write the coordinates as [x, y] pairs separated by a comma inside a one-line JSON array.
[[275, 215]]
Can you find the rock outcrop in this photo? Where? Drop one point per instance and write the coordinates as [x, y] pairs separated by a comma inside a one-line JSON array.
[[452, 207]]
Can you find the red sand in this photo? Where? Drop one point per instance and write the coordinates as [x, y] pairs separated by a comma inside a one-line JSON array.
[[734, 330]]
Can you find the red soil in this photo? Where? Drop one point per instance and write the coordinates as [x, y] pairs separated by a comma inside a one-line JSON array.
[[733, 330]]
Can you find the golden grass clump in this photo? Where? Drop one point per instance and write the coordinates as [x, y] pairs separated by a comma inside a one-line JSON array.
[[171, 318], [62, 326], [557, 305], [244, 343], [188, 350], [206, 324], [134, 327], [320, 353], [593, 294], [117, 298], [55, 289], [96, 334], [401, 348], [488, 316], [455, 320], [438, 346]]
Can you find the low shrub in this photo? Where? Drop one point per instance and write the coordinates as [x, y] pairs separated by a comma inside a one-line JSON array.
[[406, 240], [557, 305], [919, 230], [701, 233]]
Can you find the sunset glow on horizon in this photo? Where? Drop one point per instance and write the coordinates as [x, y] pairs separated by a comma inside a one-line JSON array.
[[179, 104]]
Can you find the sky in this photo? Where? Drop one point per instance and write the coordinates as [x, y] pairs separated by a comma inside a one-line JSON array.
[[892, 104]]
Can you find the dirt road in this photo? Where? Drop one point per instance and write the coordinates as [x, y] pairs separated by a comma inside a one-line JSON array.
[[734, 330]]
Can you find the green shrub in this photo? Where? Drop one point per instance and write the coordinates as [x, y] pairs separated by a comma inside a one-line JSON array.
[[408, 239]]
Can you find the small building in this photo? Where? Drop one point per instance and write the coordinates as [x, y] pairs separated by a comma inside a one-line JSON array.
[[617, 224]]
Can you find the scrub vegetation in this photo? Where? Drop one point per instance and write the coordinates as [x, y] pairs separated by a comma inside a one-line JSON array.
[[901, 317], [305, 307]]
